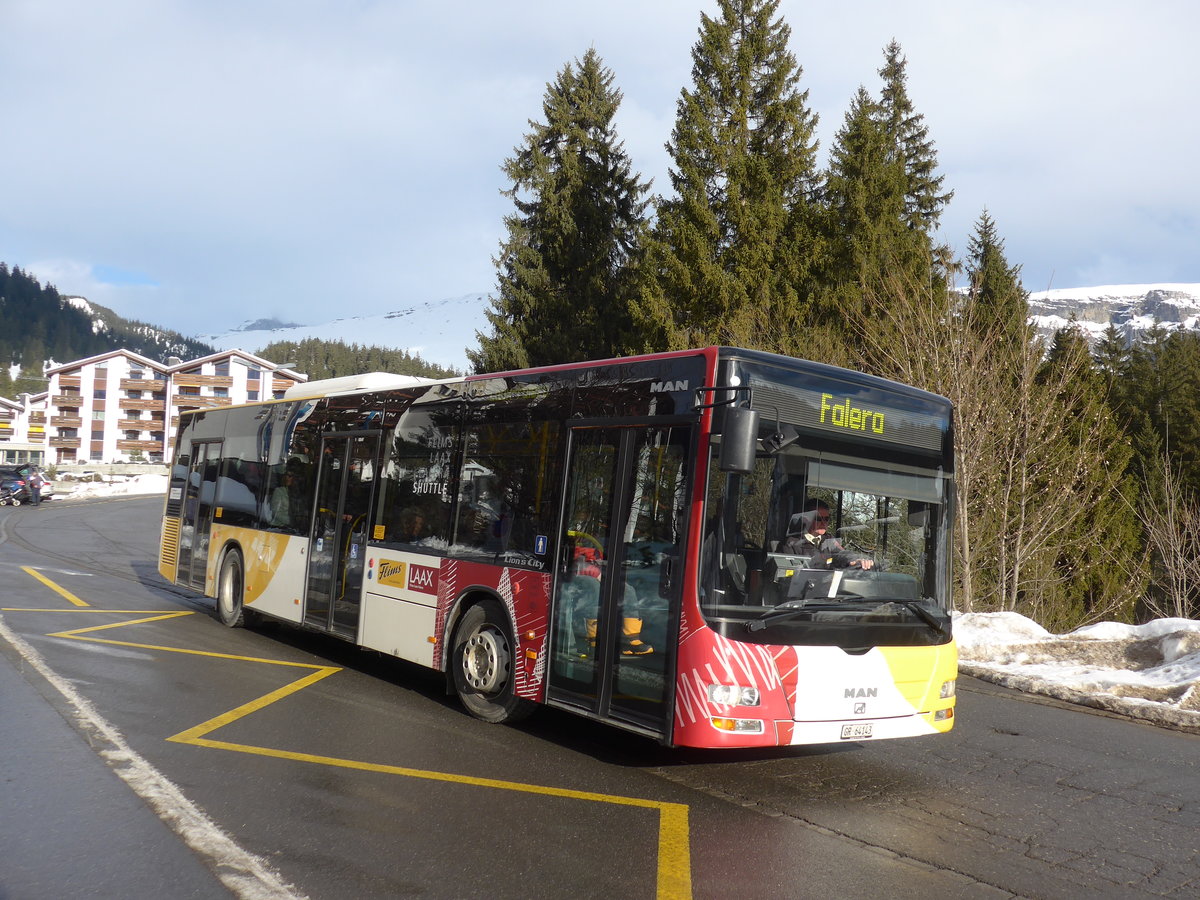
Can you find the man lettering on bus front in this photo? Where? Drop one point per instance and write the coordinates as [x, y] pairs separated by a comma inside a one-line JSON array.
[[808, 536]]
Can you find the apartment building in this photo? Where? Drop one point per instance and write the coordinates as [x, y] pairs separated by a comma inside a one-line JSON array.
[[123, 407], [23, 430]]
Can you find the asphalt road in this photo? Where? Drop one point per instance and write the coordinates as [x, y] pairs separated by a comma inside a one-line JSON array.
[[289, 764]]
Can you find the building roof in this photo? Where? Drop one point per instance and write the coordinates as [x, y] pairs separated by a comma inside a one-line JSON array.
[[226, 354], [79, 363]]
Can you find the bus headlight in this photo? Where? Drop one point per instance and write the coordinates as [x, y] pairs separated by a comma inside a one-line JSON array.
[[732, 695], [947, 691]]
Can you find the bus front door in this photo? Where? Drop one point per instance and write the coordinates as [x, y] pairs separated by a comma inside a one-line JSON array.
[[616, 614], [337, 549]]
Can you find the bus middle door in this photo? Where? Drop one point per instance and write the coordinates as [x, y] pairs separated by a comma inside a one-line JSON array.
[[616, 612], [337, 548]]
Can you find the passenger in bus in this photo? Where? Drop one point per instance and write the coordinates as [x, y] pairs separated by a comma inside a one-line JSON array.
[[808, 537], [412, 526], [281, 501]]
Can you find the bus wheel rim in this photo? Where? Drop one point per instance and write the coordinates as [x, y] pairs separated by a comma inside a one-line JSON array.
[[485, 661]]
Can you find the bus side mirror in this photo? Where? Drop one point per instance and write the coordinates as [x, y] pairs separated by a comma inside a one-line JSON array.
[[739, 431]]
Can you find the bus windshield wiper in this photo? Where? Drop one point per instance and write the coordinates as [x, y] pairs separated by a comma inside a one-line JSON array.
[[915, 607], [792, 608], [778, 614]]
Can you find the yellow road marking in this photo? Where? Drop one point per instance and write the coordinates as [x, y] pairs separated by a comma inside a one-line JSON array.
[[54, 587], [674, 845]]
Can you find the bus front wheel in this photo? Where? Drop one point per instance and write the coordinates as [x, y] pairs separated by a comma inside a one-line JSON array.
[[230, 588], [484, 663]]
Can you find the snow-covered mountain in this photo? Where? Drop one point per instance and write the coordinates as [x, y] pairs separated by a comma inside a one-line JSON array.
[[439, 331], [1131, 307]]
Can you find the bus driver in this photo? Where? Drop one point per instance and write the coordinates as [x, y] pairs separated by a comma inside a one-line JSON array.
[[808, 536]]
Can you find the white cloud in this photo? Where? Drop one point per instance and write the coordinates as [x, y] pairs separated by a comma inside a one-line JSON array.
[[311, 154]]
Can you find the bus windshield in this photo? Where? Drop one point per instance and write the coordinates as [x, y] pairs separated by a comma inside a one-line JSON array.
[[818, 546]]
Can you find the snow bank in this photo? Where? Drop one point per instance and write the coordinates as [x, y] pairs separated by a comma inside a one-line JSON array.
[[1149, 672]]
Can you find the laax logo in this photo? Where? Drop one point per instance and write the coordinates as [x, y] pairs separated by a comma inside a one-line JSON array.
[[422, 578], [667, 387]]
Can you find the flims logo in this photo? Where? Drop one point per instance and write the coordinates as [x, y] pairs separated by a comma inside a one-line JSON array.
[[391, 573]]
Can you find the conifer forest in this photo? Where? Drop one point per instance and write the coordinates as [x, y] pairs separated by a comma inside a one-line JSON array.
[[1077, 469]]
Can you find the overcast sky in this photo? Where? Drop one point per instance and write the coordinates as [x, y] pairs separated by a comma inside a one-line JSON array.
[[198, 163]]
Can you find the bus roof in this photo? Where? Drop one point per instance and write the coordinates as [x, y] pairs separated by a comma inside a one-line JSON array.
[[353, 384]]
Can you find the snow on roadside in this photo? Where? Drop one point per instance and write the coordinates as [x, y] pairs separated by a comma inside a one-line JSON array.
[[1149, 672], [118, 485]]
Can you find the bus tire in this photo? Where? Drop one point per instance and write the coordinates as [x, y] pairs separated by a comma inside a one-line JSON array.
[[483, 662], [231, 585]]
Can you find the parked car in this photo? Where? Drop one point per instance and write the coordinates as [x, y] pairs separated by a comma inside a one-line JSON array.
[[12, 484], [14, 480]]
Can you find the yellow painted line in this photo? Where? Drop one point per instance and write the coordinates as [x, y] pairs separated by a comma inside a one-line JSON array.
[[674, 845], [674, 848], [54, 587], [90, 609], [193, 735]]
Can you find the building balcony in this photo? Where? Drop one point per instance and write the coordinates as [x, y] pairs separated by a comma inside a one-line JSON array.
[[143, 384], [183, 379], [144, 446], [67, 421], [69, 381], [195, 401], [65, 441], [139, 424], [140, 403], [71, 401]]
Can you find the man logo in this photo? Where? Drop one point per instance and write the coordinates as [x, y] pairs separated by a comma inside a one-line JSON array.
[[668, 387], [852, 693]]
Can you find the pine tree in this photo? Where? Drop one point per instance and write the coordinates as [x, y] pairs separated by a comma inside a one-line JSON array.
[[996, 301], [1111, 358], [729, 257], [882, 203], [1099, 569], [567, 267], [909, 138]]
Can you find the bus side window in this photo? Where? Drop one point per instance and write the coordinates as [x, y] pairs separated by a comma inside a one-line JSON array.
[[415, 490], [506, 506]]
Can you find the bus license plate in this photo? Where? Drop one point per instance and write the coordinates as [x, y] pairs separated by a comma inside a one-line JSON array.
[[857, 730]]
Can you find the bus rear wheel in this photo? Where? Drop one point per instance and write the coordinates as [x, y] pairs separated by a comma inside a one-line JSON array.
[[483, 665], [231, 585]]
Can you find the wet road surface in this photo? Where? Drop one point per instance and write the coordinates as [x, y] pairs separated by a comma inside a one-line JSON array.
[[351, 774]]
